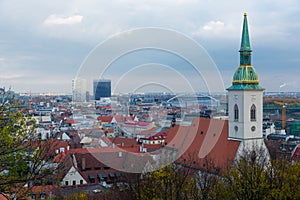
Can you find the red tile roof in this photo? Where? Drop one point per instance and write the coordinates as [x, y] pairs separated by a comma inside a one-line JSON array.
[[296, 153], [106, 107], [54, 145], [59, 158], [124, 142], [120, 118], [204, 144], [2, 197], [197, 107], [158, 136], [136, 124], [46, 189], [89, 117], [206, 141], [106, 119], [71, 121]]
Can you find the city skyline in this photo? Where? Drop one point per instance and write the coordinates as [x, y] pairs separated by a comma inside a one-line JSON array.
[[42, 53]]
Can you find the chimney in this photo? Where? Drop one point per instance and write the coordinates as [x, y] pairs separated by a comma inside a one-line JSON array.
[[74, 160], [83, 162]]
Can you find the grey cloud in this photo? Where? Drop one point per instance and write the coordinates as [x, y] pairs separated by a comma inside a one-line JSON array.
[[61, 49]]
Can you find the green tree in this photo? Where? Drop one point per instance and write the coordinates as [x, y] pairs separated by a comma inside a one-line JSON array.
[[21, 156], [283, 178], [74, 196], [252, 176], [255, 177], [170, 182], [247, 178], [208, 186]]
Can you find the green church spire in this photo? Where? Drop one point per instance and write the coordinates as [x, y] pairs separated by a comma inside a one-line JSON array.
[[245, 76], [245, 51]]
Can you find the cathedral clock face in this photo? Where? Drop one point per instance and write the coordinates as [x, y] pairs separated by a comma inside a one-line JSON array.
[[253, 128]]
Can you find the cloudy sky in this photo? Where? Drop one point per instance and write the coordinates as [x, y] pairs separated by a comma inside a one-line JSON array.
[[44, 43]]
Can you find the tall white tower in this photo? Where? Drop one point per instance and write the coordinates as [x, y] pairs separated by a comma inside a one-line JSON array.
[[245, 98], [79, 90]]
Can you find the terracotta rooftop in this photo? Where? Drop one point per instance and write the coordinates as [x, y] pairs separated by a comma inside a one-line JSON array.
[[205, 142], [296, 153], [203, 145], [158, 136], [47, 189], [124, 142], [71, 121], [106, 119], [120, 118], [2, 197]]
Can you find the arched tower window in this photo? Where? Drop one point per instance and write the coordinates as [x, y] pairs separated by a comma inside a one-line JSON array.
[[236, 113], [253, 113]]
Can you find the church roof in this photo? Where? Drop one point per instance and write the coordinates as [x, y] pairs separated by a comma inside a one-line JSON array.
[[208, 146], [245, 76], [204, 145]]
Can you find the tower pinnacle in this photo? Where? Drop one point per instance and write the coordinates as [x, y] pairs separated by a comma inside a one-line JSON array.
[[245, 51], [245, 76]]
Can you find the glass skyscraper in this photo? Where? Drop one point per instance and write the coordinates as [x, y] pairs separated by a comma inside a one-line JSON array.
[[102, 88]]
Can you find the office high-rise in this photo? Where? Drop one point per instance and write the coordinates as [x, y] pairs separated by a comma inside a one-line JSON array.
[[102, 88]]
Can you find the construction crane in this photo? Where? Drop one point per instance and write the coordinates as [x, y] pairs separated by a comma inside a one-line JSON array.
[[283, 113]]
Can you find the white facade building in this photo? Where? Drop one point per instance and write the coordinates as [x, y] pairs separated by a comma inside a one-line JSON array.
[[73, 177], [79, 90]]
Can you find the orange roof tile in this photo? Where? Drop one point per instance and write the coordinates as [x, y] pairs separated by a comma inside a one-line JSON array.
[[2, 197], [204, 144], [296, 153], [106, 119], [205, 141], [120, 118], [71, 121], [124, 142]]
